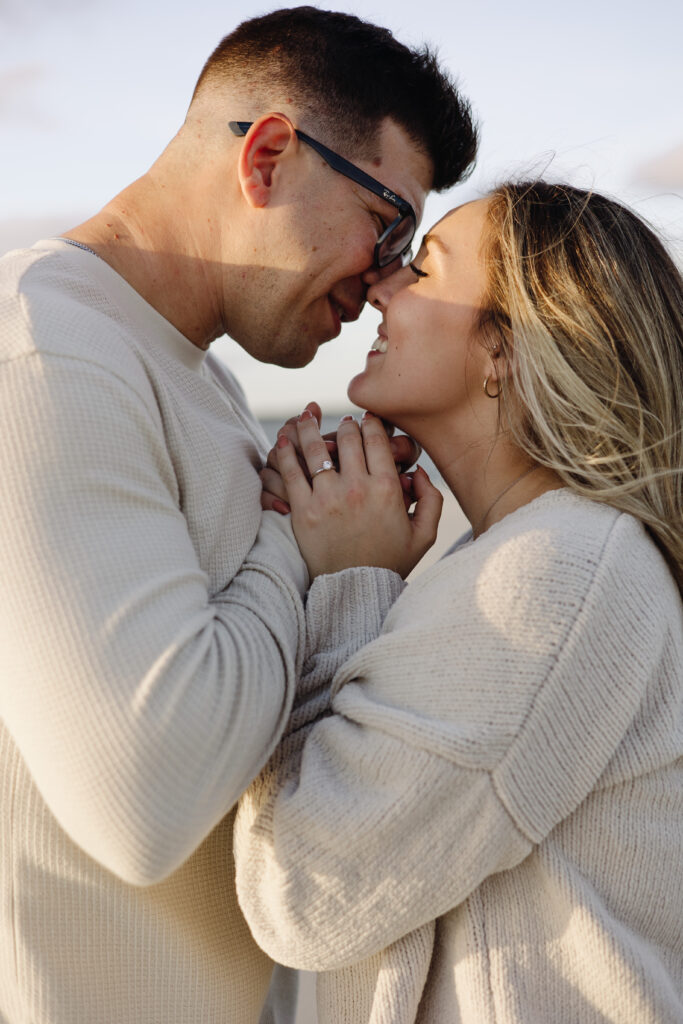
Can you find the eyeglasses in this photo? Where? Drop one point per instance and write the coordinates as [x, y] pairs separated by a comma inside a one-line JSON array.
[[396, 238]]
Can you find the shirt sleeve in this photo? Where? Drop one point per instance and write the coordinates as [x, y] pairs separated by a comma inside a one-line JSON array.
[[142, 702], [481, 717]]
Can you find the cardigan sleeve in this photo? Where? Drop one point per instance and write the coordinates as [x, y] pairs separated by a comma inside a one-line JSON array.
[[344, 611], [498, 691], [142, 702]]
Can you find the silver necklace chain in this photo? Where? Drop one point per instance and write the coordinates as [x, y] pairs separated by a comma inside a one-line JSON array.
[[495, 501]]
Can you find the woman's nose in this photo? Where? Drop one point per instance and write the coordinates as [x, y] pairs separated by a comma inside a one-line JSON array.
[[383, 285], [375, 295], [375, 274]]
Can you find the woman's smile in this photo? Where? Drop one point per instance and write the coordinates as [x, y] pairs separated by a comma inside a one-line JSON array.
[[432, 360], [381, 342]]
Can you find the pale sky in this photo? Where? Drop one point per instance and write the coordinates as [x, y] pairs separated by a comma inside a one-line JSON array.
[[92, 90]]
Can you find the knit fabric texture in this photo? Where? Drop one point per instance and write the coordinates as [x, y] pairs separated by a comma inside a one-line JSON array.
[[486, 826], [151, 635]]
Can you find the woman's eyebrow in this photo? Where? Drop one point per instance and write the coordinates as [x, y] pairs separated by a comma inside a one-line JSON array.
[[435, 240]]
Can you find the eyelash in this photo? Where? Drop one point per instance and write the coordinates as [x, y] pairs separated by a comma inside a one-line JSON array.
[[417, 271]]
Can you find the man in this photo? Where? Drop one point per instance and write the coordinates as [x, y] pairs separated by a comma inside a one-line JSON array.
[[142, 683]]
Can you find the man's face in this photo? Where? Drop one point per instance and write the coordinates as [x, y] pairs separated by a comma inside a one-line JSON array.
[[312, 246]]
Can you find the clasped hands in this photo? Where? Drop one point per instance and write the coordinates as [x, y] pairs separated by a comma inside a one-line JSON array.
[[357, 514]]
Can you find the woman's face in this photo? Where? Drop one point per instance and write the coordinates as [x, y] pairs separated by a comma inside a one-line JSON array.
[[427, 366]]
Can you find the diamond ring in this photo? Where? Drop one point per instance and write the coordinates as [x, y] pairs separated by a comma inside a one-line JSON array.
[[323, 469]]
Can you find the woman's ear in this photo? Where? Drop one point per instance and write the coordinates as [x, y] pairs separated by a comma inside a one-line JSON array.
[[497, 360], [267, 143], [501, 354]]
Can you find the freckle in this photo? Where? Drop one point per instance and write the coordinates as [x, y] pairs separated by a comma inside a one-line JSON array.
[[116, 236], [109, 225], [377, 161], [314, 248]]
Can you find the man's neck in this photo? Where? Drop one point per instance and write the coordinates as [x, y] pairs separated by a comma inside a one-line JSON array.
[[145, 241]]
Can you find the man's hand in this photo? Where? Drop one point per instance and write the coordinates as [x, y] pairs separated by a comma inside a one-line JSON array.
[[404, 450]]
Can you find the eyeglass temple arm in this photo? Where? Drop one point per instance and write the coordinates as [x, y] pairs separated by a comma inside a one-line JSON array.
[[337, 162]]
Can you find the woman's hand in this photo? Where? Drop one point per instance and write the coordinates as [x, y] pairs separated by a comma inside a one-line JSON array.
[[405, 452], [355, 515]]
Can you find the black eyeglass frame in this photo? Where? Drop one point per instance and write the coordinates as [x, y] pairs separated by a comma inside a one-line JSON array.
[[349, 170]]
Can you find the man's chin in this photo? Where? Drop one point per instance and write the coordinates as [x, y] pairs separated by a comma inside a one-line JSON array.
[[290, 358], [293, 360]]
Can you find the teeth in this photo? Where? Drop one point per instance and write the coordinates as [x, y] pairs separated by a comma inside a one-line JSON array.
[[380, 345]]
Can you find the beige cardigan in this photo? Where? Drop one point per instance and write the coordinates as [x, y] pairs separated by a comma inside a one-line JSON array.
[[489, 827]]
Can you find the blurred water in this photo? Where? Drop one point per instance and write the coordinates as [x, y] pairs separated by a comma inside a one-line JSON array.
[[330, 423]]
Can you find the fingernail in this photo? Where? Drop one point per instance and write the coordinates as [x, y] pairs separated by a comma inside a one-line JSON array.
[[306, 415], [345, 419], [282, 441], [367, 415], [281, 506]]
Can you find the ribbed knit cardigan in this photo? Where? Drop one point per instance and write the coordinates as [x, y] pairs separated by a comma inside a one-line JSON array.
[[488, 829], [150, 641]]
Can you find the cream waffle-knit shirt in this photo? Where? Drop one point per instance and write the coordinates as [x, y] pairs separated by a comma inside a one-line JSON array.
[[489, 827], [150, 638]]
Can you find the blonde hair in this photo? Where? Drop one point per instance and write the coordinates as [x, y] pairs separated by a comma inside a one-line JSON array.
[[586, 306]]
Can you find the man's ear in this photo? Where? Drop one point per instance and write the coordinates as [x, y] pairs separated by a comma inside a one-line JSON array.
[[265, 145]]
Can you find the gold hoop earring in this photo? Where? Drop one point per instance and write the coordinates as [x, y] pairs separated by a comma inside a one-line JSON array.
[[486, 388]]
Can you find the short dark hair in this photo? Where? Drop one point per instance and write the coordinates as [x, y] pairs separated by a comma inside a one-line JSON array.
[[349, 75]]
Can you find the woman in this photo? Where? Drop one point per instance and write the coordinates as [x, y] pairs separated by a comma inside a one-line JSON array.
[[484, 823]]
